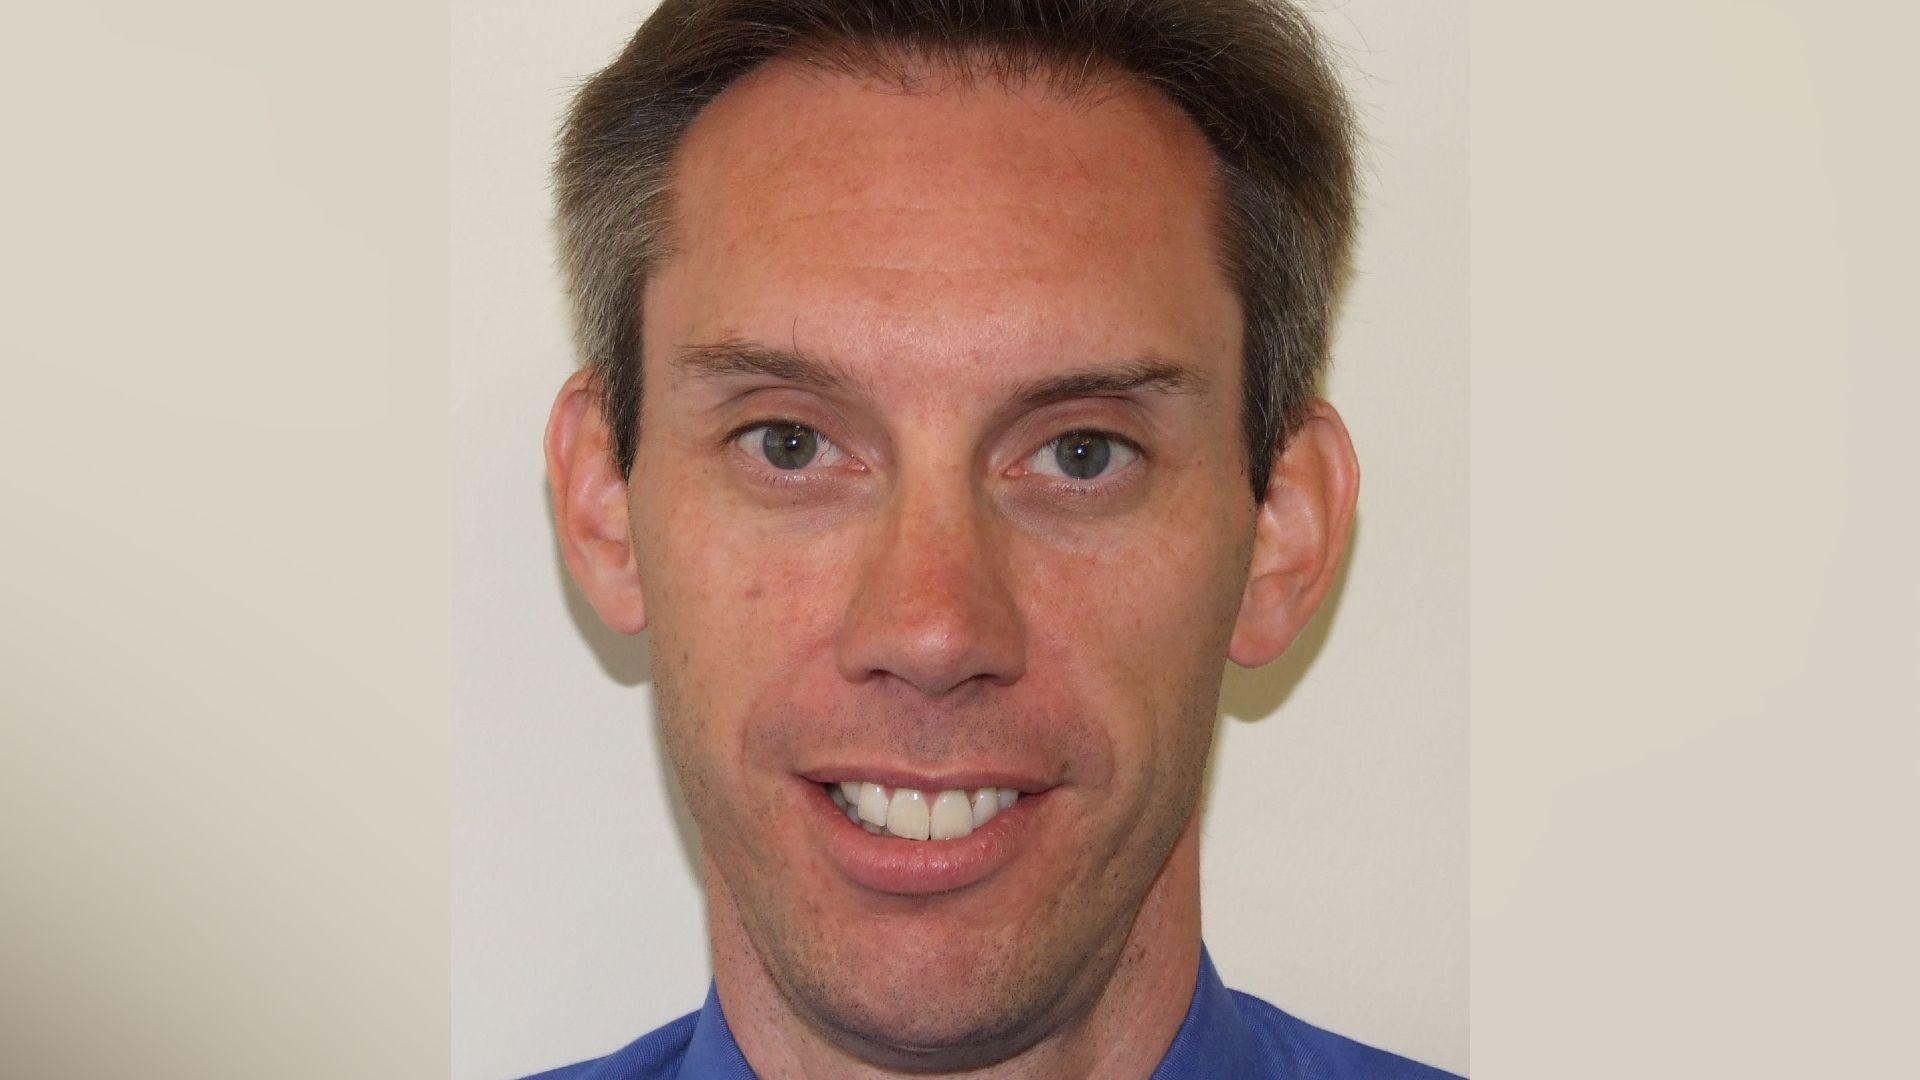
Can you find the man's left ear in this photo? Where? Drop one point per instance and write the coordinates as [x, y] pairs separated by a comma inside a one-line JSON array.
[[1300, 533]]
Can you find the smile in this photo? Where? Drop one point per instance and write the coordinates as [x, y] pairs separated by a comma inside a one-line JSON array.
[[910, 815]]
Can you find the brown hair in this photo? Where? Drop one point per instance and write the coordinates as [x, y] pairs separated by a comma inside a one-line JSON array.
[[1250, 73]]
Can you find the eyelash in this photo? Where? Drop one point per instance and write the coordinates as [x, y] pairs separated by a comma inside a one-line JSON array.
[[1072, 488]]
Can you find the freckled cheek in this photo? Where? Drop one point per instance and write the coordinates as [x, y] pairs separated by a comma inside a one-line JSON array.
[[734, 607], [747, 602]]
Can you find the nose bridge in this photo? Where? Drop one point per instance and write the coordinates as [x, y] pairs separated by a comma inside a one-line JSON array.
[[933, 605]]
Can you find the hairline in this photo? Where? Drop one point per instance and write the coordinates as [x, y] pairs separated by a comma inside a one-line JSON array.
[[1255, 76]]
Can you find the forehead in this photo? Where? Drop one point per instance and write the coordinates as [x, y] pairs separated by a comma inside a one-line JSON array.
[[966, 219]]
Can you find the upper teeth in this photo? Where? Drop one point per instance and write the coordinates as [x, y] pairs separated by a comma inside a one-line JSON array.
[[908, 813]]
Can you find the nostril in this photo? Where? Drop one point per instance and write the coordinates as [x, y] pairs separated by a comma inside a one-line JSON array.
[[933, 605], [934, 642]]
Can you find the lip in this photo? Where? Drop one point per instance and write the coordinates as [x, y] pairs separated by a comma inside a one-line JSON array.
[[889, 864], [958, 780]]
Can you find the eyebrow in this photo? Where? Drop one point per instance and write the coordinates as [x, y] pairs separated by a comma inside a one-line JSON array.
[[1150, 373], [726, 359]]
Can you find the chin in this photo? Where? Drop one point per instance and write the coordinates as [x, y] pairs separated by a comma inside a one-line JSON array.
[[924, 1030], [924, 1007]]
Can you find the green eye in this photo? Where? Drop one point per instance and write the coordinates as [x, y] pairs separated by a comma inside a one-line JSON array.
[[1084, 455], [790, 446], [787, 446], [1081, 455]]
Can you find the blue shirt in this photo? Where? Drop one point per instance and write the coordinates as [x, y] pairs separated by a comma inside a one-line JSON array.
[[1227, 1035]]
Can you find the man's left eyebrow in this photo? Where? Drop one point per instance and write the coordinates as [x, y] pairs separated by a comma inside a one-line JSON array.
[[1148, 373]]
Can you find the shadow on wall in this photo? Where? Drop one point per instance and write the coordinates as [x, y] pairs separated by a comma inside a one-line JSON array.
[[629, 662], [1256, 693], [1253, 694]]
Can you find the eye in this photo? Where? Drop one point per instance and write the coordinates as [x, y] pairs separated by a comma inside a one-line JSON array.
[[788, 446], [1083, 455]]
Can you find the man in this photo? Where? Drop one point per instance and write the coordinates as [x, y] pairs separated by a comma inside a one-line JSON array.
[[948, 418]]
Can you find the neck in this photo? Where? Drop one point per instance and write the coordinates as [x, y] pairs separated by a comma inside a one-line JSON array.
[[1123, 1032]]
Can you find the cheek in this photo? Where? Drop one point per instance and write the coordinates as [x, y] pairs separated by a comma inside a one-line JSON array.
[[734, 617], [733, 603], [1141, 632]]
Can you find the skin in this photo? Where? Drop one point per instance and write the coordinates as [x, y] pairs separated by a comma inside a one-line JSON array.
[[930, 588]]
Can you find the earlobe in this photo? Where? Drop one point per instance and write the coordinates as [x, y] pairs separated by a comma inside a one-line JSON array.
[[1300, 533], [590, 506]]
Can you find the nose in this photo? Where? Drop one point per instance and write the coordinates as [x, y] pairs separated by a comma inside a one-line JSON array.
[[934, 604]]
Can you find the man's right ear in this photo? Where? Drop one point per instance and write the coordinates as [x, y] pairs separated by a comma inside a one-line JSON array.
[[590, 506]]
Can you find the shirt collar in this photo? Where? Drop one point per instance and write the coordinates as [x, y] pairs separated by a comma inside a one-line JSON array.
[[711, 1052], [1212, 1041]]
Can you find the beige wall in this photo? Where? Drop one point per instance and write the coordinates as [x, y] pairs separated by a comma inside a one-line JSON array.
[[1696, 613], [226, 682], [224, 661], [1335, 851]]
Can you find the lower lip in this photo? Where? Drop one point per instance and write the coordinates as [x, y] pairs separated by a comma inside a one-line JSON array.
[[888, 864]]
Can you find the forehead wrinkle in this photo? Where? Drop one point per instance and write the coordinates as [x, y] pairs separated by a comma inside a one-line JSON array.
[[996, 246], [941, 206], [809, 194]]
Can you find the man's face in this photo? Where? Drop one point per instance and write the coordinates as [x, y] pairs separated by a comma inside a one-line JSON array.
[[911, 577]]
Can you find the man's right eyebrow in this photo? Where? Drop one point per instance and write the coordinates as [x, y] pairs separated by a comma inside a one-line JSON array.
[[732, 358]]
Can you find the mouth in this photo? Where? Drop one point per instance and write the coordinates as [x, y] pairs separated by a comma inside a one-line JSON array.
[[887, 835], [913, 814]]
